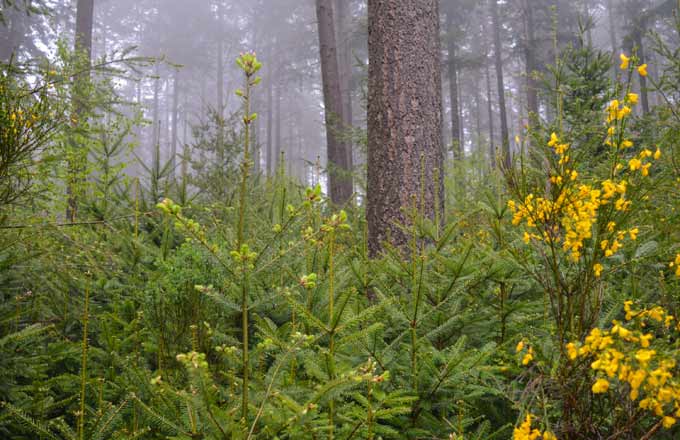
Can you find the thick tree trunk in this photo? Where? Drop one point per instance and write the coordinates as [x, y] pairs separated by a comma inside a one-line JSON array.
[[340, 181], [405, 155], [498, 58], [453, 86]]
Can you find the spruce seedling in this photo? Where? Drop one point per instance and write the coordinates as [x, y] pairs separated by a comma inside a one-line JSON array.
[[250, 66]]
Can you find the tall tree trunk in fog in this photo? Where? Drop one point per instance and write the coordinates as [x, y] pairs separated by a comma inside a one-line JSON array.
[[612, 35], [589, 21], [83, 49], [633, 42], [489, 108], [175, 123], [185, 142], [270, 118], [278, 148], [344, 42], [167, 142], [84, 24], [498, 58], [478, 113], [639, 31], [219, 107], [405, 154], [445, 126], [8, 36], [155, 139], [530, 60], [452, 65], [340, 181]]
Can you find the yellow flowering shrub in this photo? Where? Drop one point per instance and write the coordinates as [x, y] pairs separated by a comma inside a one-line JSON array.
[[575, 218], [29, 117], [635, 358], [582, 218]]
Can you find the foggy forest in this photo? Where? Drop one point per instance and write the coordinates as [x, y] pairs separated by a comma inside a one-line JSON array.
[[340, 219]]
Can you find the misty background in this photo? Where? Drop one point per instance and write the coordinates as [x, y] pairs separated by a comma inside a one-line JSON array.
[[196, 42]]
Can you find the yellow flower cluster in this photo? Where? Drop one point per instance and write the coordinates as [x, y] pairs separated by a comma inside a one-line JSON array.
[[571, 216], [676, 263], [575, 210], [525, 432], [642, 70], [528, 355], [617, 111], [637, 163], [625, 354], [625, 64]]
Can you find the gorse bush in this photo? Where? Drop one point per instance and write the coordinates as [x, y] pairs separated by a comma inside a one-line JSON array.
[[228, 305]]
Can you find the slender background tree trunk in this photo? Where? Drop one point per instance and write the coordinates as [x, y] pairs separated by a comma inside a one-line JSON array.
[[530, 61], [340, 181], [498, 58], [453, 86], [83, 49], [270, 118], [343, 39], [175, 123]]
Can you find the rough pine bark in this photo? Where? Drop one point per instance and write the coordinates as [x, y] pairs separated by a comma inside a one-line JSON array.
[[405, 154], [498, 59], [340, 182]]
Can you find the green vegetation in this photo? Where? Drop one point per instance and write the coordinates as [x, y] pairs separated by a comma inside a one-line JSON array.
[[543, 303]]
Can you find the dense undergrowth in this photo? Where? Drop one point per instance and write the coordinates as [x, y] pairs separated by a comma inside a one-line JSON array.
[[236, 306]]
